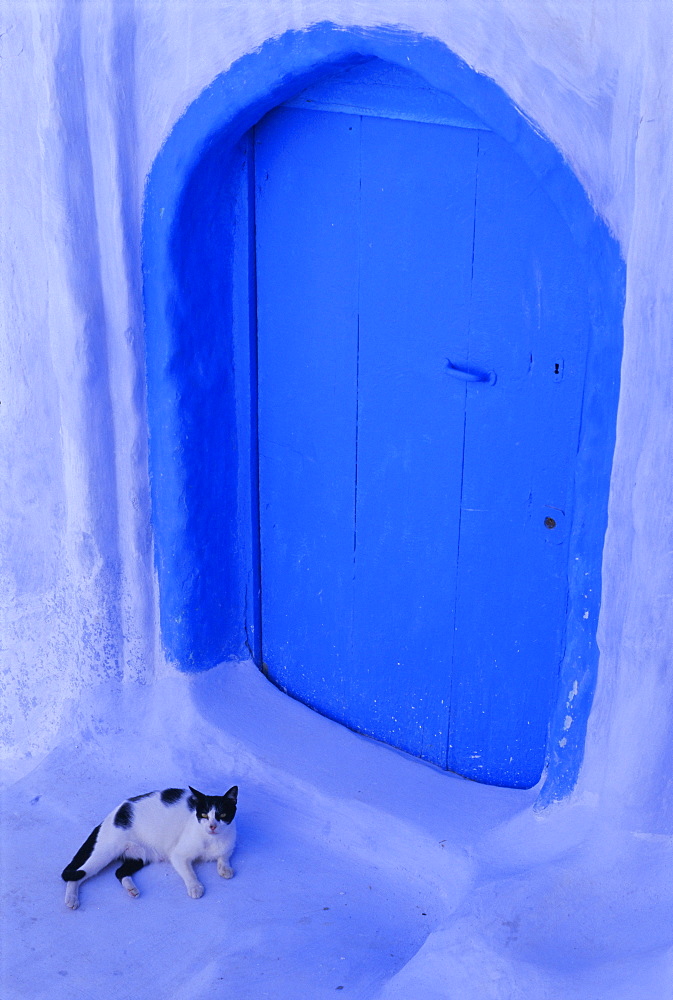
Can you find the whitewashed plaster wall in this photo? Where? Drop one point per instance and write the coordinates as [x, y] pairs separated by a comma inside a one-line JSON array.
[[90, 90]]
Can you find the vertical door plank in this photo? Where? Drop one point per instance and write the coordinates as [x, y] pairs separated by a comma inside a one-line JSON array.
[[307, 172], [418, 189], [520, 441]]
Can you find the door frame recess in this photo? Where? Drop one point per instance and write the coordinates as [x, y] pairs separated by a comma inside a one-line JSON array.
[[199, 299]]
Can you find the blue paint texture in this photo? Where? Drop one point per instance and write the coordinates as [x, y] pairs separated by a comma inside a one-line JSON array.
[[203, 499]]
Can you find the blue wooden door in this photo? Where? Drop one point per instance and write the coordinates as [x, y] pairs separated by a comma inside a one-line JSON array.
[[421, 329]]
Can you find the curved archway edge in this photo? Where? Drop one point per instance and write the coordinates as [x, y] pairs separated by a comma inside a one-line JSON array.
[[203, 514]]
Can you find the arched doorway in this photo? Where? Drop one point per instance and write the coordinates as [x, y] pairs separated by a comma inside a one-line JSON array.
[[423, 351]]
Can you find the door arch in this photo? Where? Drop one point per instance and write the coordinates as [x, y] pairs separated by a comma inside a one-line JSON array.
[[199, 290]]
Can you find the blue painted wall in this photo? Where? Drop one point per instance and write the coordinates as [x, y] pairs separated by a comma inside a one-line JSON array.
[[200, 412]]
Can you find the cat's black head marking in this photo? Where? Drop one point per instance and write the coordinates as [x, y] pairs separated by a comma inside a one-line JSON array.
[[194, 799], [224, 805], [124, 816]]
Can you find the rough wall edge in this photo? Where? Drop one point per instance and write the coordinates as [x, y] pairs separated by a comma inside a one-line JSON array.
[[225, 110]]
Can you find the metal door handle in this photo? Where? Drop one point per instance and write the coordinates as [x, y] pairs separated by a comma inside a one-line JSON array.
[[470, 374]]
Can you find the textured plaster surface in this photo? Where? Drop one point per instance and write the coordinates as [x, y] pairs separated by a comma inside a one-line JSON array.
[[90, 92]]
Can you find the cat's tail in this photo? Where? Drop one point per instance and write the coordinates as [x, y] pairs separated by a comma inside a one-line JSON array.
[[74, 871]]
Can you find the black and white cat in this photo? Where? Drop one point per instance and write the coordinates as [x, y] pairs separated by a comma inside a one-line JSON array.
[[172, 825]]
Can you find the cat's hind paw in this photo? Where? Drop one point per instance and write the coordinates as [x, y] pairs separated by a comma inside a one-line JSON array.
[[196, 890], [130, 886], [224, 870]]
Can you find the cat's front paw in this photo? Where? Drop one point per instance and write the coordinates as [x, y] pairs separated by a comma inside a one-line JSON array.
[[196, 890], [224, 870], [72, 895]]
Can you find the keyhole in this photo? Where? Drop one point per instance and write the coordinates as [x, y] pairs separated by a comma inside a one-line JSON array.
[[549, 522]]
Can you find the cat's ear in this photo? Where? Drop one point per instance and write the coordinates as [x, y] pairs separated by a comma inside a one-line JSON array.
[[199, 795], [232, 794]]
